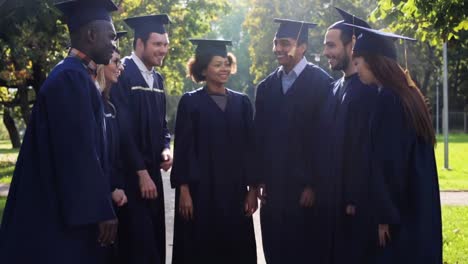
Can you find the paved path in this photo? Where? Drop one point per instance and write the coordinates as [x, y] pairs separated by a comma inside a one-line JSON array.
[[454, 198], [447, 198], [4, 189]]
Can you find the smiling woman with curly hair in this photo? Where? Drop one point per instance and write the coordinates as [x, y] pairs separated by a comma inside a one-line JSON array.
[[215, 192]]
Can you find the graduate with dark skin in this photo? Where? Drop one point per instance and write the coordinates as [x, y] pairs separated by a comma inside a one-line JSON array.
[[215, 191], [60, 179], [93, 39]]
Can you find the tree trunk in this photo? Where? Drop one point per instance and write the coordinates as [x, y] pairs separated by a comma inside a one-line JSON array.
[[11, 127], [38, 76], [24, 103]]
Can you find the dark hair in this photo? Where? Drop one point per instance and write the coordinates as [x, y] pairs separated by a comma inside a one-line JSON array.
[[391, 75], [346, 36], [196, 65], [143, 36]]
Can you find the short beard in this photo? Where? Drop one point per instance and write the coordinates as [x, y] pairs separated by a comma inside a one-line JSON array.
[[343, 63]]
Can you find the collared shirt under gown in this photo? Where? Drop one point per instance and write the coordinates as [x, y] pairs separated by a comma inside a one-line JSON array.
[[286, 131], [144, 135]]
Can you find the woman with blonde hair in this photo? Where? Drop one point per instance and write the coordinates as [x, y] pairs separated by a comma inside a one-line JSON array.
[[106, 76]]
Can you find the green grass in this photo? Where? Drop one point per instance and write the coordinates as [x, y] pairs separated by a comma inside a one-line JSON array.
[[454, 179], [8, 158], [457, 177], [455, 230], [2, 205]]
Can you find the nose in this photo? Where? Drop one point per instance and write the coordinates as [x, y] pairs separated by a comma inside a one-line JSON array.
[[325, 51], [165, 49], [226, 68], [277, 48]]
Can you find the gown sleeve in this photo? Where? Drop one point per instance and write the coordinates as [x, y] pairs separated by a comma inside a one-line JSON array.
[[389, 157], [166, 133], [82, 185], [251, 178], [259, 130], [120, 96], [184, 152]]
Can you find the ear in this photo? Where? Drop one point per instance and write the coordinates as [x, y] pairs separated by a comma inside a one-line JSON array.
[[302, 48], [139, 44], [91, 35]]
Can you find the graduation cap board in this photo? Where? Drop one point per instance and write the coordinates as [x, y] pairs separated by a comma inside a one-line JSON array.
[[143, 25], [377, 42], [382, 43], [211, 47], [298, 30], [118, 36], [81, 12], [349, 19]]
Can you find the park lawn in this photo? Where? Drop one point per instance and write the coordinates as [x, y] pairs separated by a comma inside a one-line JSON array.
[[455, 231], [454, 179], [457, 177], [8, 158], [2, 205]]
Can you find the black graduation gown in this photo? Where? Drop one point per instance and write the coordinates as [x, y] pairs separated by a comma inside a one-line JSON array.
[[59, 191], [286, 128], [213, 149], [346, 169], [114, 167], [405, 187], [144, 135], [113, 146]]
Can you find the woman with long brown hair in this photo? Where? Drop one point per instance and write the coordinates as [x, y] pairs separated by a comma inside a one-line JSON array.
[[404, 185]]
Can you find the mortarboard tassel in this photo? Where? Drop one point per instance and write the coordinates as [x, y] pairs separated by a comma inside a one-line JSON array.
[[409, 80], [293, 49]]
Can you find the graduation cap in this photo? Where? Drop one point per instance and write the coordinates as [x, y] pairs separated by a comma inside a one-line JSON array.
[[298, 30], [382, 43], [144, 25], [349, 19], [211, 47], [377, 42], [118, 36], [81, 12]]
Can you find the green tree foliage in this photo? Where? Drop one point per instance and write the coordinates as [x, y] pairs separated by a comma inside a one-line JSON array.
[[432, 22], [32, 40]]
